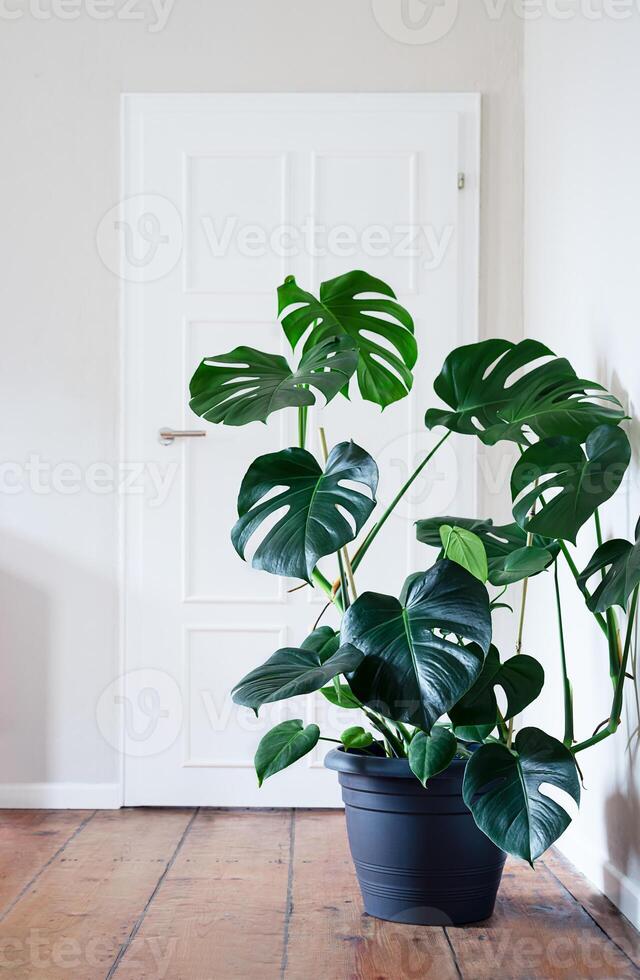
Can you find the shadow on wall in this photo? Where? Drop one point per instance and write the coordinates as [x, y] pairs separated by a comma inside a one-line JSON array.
[[622, 809], [25, 636]]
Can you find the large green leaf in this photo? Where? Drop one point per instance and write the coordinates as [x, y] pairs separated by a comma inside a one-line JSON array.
[[247, 385], [282, 746], [508, 557], [580, 481], [345, 307], [548, 399], [292, 671], [521, 678], [619, 562], [502, 789], [431, 754], [312, 525], [413, 671]]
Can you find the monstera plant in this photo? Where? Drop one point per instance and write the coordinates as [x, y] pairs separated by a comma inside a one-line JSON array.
[[418, 669]]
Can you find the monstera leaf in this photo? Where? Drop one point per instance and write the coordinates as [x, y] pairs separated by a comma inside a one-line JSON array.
[[508, 557], [384, 368], [412, 670], [284, 745], [619, 561], [312, 525], [247, 385], [297, 670], [466, 548], [521, 678], [548, 399], [431, 754], [502, 789], [581, 480]]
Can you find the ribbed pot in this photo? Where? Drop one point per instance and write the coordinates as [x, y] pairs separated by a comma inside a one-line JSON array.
[[419, 856]]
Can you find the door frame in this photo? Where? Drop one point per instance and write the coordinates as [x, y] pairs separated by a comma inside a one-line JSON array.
[[469, 107]]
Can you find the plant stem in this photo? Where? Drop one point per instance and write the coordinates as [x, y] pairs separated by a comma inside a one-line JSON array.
[[302, 426], [344, 552], [377, 527], [324, 585], [613, 630], [566, 683], [576, 574], [523, 608], [618, 694], [393, 741]]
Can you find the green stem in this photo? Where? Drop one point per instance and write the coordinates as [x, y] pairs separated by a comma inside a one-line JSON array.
[[302, 426], [377, 527], [566, 683], [576, 574], [320, 582], [613, 630], [390, 737], [618, 694]]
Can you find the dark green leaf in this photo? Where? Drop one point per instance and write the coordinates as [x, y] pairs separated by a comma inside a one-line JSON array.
[[356, 738], [342, 697], [413, 670], [283, 745], [509, 559], [431, 754], [549, 399], [312, 525], [247, 385], [466, 548], [502, 790], [619, 560], [472, 733], [580, 482], [384, 374], [293, 671], [521, 678]]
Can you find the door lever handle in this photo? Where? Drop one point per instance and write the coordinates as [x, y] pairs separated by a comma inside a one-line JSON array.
[[167, 435]]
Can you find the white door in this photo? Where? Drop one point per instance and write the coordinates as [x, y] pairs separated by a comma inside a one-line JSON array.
[[225, 195]]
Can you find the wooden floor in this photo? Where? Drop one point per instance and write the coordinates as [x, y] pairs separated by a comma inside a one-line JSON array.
[[197, 895]]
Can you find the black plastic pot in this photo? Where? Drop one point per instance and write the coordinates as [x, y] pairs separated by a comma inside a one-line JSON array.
[[419, 856]]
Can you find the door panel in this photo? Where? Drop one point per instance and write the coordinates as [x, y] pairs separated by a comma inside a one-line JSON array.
[[257, 188]]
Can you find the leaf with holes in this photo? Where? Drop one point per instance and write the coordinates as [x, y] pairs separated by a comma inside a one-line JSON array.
[[282, 746], [580, 481], [431, 754], [502, 789], [380, 328], [293, 671], [466, 548], [508, 558], [521, 678], [247, 385], [619, 562], [549, 399], [412, 670], [313, 524]]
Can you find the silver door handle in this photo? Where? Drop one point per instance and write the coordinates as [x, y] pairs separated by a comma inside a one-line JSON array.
[[167, 435]]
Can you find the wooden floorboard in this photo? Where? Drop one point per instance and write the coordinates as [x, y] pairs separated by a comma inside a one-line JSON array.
[[29, 839], [221, 910], [219, 895], [73, 920]]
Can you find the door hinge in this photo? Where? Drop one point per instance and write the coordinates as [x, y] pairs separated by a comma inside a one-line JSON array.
[[461, 181]]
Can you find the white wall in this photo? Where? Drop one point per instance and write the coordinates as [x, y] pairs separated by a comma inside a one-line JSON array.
[[582, 208], [61, 82]]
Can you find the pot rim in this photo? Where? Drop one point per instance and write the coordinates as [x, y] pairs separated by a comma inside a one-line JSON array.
[[371, 765]]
